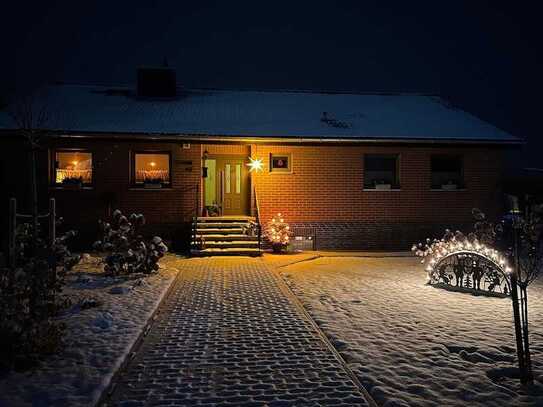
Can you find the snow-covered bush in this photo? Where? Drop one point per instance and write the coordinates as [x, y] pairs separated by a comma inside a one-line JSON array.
[[127, 250], [30, 297]]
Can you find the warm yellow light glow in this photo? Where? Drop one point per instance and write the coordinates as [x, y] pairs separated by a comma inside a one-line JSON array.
[[152, 164], [75, 163], [255, 164]]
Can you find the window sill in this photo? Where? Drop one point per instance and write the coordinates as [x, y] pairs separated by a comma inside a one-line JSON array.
[[449, 190], [61, 188], [382, 190], [137, 188]]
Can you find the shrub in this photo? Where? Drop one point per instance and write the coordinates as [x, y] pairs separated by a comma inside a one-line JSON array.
[[127, 251], [277, 232], [30, 297]]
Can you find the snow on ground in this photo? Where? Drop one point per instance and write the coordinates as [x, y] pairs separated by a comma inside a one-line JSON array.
[[415, 345], [97, 339]]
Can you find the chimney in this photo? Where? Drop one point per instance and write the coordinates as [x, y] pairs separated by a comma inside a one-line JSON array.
[[156, 82]]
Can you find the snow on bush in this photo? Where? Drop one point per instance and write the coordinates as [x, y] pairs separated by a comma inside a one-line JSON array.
[[30, 297], [128, 251]]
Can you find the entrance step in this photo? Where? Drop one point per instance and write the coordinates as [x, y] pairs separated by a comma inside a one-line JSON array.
[[235, 251], [230, 236], [205, 225], [225, 244], [224, 236], [216, 231], [225, 219]]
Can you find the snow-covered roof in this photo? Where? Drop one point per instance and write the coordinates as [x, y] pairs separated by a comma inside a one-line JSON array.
[[273, 114]]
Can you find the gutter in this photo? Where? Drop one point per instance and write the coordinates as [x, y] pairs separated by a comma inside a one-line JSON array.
[[298, 140], [263, 140]]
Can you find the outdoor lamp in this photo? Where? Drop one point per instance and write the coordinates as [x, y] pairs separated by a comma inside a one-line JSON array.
[[255, 164]]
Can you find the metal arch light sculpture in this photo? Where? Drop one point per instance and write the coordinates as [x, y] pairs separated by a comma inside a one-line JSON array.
[[467, 266], [255, 164]]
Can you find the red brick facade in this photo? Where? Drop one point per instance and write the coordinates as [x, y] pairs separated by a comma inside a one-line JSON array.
[[324, 191]]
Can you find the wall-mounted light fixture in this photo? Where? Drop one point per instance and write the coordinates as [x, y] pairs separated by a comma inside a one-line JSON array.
[[255, 164]]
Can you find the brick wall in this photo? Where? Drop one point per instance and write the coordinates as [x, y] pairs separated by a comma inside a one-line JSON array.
[[324, 190], [111, 161], [167, 210]]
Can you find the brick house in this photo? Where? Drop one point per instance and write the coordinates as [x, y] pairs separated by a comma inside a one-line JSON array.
[[347, 171]]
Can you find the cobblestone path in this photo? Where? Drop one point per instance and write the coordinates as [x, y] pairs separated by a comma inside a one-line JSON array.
[[230, 336]]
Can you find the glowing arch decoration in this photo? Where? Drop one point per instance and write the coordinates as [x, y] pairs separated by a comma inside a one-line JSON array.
[[466, 265]]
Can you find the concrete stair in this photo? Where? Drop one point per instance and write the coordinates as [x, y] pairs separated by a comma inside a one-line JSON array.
[[224, 236]]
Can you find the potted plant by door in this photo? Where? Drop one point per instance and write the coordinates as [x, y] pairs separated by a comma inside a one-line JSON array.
[[213, 210]]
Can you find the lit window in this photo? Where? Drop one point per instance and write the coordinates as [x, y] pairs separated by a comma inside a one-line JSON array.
[[152, 169], [381, 171], [73, 167], [280, 163], [447, 172]]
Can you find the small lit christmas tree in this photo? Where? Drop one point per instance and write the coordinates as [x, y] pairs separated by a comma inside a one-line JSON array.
[[278, 233]]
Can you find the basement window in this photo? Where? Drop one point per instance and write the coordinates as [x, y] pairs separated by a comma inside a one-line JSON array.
[[72, 167], [381, 171], [281, 163], [447, 172], [151, 169]]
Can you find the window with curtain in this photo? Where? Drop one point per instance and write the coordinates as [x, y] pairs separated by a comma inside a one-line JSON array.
[[151, 168], [73, 167]]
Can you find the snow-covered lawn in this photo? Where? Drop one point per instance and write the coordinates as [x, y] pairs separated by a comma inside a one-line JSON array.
[[97, 338], [415, 345]]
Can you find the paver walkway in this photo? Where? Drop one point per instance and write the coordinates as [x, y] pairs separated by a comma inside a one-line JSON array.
[[231, 336]]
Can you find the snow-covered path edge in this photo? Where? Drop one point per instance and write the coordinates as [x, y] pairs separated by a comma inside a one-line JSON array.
[[298, 303], [124, 358], [98, 341], [365, 308]]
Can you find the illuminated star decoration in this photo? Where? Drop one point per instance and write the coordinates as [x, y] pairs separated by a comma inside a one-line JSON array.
[[255, 164]]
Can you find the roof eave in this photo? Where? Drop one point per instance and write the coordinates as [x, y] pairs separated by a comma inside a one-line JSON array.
[[187, 137]]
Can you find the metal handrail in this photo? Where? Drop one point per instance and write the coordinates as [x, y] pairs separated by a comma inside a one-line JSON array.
[[196, 211], [257, 217]]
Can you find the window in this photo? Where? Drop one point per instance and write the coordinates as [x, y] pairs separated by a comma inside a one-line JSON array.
[[280, 163], [447, 172], [381, 171], [73, 167], [151, 170]]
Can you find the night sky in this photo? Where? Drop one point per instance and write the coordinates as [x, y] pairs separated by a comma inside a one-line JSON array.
[[483, 56]]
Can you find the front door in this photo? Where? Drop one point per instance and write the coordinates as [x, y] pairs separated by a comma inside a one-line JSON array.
[[232, 185]]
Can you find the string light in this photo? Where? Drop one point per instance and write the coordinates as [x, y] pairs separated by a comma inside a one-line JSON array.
[[278, 232], [434, 254]]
